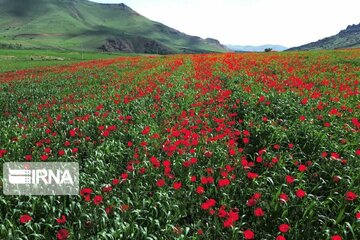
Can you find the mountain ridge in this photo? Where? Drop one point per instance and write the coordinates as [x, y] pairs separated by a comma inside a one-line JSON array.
[[258, 48], [82, 24], [346, 38]]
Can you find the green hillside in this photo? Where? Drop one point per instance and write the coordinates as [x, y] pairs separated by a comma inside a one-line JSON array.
[[80, 24], [347, 38]]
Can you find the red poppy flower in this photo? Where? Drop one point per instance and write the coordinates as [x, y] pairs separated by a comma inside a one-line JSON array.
[[61, 152], [177, 185], [211, 211], [124, 176], [357, 215], [111, 128], [300, 193], [280, 238], [208, 154], [166, 163], [262, 98], [336, 237], [302, 168], [210, 180], [224, 182], [283, 197], [284, 228], [350, 196], [86, 192], [204, 180], [258, 212], [28, 157], [187, 164], [259, 159], [248, 234], [233, 215], [25, 218], [98, 199], [222, 212], [304, 101], [208, 204], [228, 223], [256, 195], [72, 133], [274, 160], [124, 207], [289, 179], [142, 170], [160, 182], [61, 220], [107, 188], [276, 146], [108, 210], [146, 130], [357, 152], [200, 190], [356, 122], [336, 179], [335, 156], [246, 133], [115, 181], [62, 234], [251, 202], [252, 175], [193, 179]]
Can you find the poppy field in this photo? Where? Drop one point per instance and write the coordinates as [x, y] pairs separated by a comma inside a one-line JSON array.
[[203, 146]]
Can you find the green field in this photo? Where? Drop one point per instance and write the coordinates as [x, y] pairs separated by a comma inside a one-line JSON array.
[[11, 60], [189, 146]]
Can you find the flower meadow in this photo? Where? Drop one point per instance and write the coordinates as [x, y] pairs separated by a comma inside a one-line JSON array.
[[204, 146]]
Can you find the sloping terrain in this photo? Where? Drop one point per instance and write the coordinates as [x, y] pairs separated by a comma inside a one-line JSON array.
[[80, 24], [347, 38]]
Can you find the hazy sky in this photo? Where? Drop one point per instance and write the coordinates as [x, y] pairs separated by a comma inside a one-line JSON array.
[[252, 22]]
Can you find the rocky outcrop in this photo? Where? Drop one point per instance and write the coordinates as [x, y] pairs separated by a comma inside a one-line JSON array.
[[134, 44], [213, 41], [151, 46], [117, 45]]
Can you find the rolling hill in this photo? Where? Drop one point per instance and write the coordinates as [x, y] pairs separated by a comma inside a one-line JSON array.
[[347, 38], [85, 25]]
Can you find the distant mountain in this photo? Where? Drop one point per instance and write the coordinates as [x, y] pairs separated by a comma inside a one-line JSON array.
[[348, 38], [81, 24], [261, 48]]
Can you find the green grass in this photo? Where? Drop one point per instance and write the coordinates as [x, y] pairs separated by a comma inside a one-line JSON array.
[[11, 60]]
